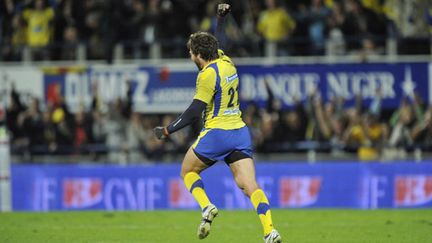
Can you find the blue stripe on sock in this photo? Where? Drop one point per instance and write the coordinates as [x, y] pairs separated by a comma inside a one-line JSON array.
[[263, 208], [197, 183]]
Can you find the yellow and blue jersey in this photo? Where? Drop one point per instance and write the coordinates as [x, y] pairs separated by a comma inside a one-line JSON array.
[[39, 31], [217, 85], [275, 24]]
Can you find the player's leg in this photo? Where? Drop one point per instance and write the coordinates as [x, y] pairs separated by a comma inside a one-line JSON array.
[[192, 166], [243, 171]]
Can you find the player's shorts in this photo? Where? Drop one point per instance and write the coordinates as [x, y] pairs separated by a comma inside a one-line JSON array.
[[214, 145]]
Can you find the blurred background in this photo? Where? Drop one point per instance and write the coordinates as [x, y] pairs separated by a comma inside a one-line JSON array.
[[90, 79], [86, 81]]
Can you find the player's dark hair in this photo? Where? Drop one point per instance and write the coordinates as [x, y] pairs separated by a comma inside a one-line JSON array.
[[204, 44]]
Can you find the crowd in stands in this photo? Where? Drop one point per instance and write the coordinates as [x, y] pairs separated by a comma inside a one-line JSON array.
[[119, 134], [53, 28], [372, 132]]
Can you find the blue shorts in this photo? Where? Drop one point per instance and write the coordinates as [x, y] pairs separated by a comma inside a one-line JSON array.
[[214, 145]]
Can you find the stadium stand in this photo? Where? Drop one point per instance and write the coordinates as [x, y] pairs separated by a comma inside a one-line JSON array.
[[78, 30], [103, 30]]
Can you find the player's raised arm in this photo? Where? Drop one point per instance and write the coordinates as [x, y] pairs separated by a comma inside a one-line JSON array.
[[222, 10]]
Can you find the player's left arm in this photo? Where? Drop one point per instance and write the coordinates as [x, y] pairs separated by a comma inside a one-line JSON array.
[[191, 114], [204, 95]]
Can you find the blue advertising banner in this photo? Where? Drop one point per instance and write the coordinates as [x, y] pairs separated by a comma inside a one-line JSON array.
[[153, 89], [288, 185], [164, 89], [290, 82]]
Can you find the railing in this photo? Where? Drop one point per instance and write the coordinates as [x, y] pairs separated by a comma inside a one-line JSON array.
[[307, 151], [128, 51]]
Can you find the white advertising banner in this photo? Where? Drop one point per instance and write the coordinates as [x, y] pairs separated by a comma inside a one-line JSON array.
[[28, 82]]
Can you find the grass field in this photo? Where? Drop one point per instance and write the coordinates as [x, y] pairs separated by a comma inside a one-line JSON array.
[[231, 226]]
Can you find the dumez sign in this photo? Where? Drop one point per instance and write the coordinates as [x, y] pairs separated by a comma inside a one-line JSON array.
[[156, 89], [347, 185]]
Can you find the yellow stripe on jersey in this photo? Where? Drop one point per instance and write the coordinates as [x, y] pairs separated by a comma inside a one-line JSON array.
[[201, 135], [217, 85]]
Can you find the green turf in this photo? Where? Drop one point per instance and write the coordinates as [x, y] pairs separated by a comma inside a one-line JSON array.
[[231, 226]]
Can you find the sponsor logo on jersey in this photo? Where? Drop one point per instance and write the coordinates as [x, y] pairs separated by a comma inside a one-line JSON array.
[[231, 78]]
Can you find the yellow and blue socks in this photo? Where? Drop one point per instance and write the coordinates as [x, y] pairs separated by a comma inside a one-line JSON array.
[[195, 185], [259, 200], [262, 206]]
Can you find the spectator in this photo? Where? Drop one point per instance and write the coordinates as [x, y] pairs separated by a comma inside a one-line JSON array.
[[62, 18], [275, 24], [291, 127], [253, 121], [174, 19], [264, 142], [7, 28], [419, 106], [39, 20], [354, 135], [336, 119], [374, 5], [18, 39], [137, 21], [335, 24], [154, 148], [369, 51], [360, 22], [70, 44], [112, 26], [99, 127], [317, 15], [421, 133], [62, 119], [319, 127], [49, 133], [135, 137], [92, 31], [153, 16], [14, 109], [31, 124], [402, 121], [409, 16], [366, 136], [116, 134], [82, 131], [98, 133]]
